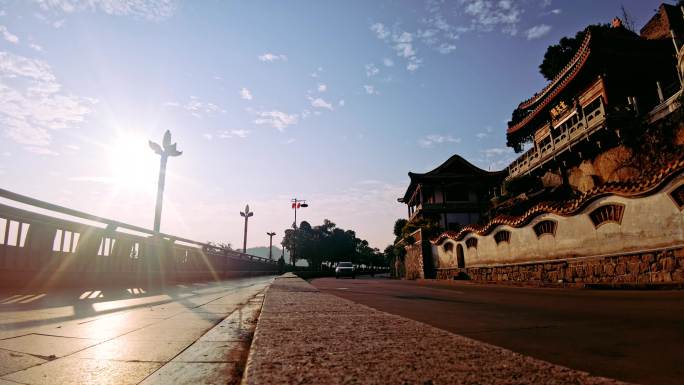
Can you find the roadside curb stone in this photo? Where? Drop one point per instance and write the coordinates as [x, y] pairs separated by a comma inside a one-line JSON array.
[[306, 337]]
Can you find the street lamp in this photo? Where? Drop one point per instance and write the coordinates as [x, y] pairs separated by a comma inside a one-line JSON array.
[[246, 214], [296, 205], [270, 245], [166, 150]]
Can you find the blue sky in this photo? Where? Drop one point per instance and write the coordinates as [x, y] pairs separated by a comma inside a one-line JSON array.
[[333, 102]]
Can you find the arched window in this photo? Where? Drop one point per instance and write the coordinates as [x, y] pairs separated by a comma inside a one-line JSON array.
[[448, 247], [460, 260], [545, 227], [502, 236], [607, 214], [471, 242]]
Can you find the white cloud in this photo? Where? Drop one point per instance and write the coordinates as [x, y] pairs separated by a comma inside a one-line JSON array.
[[317, 72], [430, 140], [208, 136], [32, 104], [388, 62], [36, 47], [437, 32], [487, 15], [402, 44], [290, 141], [370, 90], [380, 31], [322, 87], [153, 10], [7, 35], [41, 150], [445, 48], [271, 57], [497, 158], [197, 107], [320, 103], [413, 65], [59, 23], [372, 70], [276, 119], [556, 11], [537, 31], [241, 133], [341, 103], [245, 94]]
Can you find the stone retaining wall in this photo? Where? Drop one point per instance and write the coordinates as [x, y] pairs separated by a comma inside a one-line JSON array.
[[657, 267], [413, 262]]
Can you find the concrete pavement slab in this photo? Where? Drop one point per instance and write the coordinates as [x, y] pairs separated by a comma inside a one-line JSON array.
[[213, 351], [198, 373], [68, 371], [46, 346], [130, 349], [306, 337], [14, 361], [131, 338], [218, 356]]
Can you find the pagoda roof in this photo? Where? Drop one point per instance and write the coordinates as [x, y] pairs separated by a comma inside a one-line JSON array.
[[454, 168], [542, 98], [598, 46]]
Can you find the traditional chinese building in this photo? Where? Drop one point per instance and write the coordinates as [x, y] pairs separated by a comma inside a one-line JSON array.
[[455, 194], [615, 77]]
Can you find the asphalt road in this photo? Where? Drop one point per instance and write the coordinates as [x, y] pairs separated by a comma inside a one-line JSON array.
[[635, 336]]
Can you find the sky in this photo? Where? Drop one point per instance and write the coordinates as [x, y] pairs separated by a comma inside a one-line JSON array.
[[329, 101]]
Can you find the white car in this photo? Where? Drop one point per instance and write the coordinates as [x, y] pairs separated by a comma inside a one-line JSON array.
[[345, 269]]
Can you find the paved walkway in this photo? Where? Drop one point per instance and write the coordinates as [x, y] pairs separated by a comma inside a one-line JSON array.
[[308, 337], [194, 333], [631, 335]]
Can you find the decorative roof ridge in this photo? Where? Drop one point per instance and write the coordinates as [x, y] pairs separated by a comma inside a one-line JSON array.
[[626, 189], [453, 159], [538, 96], [549, 97]]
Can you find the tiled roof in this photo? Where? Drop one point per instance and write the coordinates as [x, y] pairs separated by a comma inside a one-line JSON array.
[[545, 96], [539, 95]]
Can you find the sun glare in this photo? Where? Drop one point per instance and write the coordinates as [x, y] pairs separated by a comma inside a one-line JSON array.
[[133, 164]]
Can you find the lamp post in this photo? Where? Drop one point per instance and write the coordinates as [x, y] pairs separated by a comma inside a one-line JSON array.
[[166, 150], [246, 214], [296, 205], [270, 245]]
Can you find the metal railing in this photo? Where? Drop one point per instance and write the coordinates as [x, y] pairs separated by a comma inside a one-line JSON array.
[[565, 135], [41, 242]]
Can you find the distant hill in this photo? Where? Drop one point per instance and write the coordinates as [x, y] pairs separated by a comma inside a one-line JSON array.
[[262, 251]]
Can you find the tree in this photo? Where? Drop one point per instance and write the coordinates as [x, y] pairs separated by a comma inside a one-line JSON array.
[[399, 225], [627, 19], [559, 55], [329, 244]]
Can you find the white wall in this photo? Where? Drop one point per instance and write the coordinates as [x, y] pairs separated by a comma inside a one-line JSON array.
[[649, 222]]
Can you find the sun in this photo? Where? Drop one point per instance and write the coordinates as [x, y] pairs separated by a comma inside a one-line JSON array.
[[133, 164]]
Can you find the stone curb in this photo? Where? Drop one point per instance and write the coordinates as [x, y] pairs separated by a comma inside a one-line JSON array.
[[306, 337]]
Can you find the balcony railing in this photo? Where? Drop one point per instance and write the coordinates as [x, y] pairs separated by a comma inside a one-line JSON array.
[[563, 135]]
